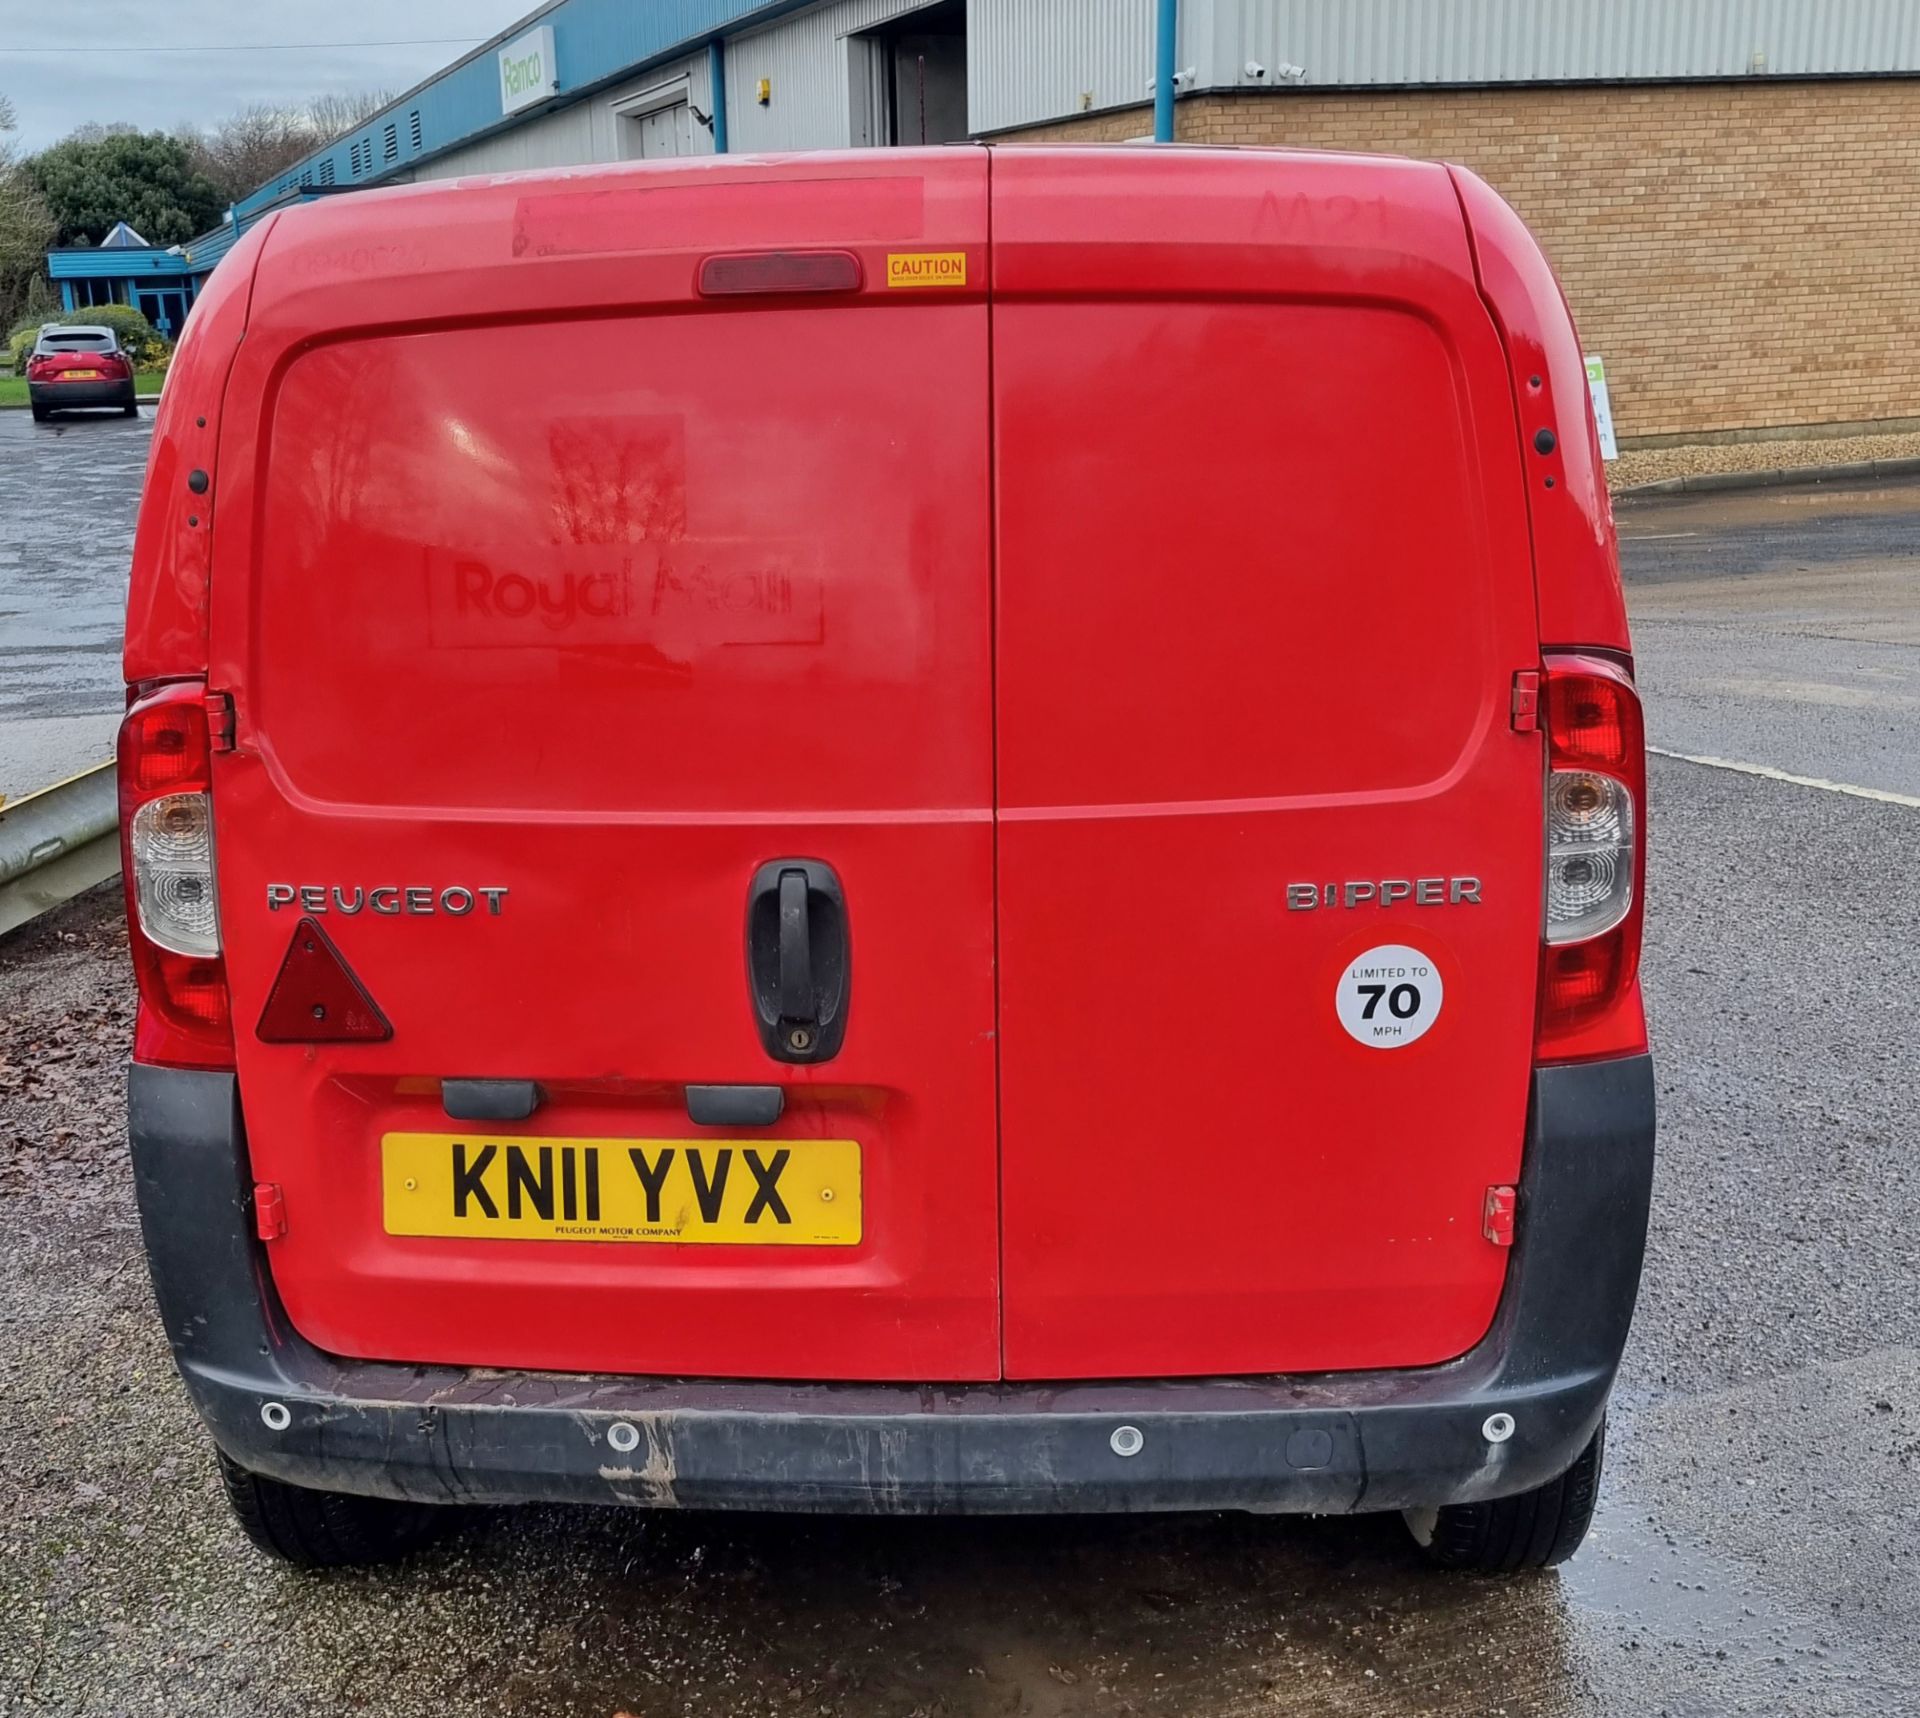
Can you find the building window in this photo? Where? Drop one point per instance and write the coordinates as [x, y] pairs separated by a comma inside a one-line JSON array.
[[413, 127], [391, 143]]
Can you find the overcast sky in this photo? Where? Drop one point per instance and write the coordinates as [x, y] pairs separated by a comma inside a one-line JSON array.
[[155, 63]]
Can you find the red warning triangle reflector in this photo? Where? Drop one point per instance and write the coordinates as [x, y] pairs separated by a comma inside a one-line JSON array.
[[316, 999]]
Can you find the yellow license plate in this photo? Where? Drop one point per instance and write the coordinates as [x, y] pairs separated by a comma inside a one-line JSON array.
[[741, 1192], [80, 376]]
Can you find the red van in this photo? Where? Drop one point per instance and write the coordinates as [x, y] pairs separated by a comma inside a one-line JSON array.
[[911, 831]]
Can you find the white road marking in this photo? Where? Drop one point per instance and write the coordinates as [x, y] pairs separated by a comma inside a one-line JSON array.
[[1769, 773], [1654, 536]]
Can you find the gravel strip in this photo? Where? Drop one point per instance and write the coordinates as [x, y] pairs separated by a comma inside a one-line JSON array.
[[1651, 465]]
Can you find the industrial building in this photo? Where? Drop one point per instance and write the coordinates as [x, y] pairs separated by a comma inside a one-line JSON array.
[[1729, 188], [157, 280]]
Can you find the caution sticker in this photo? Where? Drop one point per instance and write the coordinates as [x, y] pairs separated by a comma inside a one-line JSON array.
[[1389, 996], [926, 268]]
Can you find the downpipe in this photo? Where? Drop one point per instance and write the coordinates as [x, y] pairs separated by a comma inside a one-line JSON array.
[[1166, 52], [717, 92]]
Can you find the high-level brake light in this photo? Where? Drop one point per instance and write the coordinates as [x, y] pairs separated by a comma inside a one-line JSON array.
[[755, 272]]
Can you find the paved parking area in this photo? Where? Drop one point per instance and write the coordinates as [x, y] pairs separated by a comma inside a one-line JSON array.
[[1782, 624], [69, 490], [1758, 1543]]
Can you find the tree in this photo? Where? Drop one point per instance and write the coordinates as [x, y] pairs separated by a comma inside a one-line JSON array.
[[243, 152], [92, 130], [26, 230], [146, 179], [334, 114]]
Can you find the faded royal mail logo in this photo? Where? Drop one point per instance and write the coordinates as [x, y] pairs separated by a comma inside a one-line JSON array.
[[555, 599], [926, 268], [697, 597]]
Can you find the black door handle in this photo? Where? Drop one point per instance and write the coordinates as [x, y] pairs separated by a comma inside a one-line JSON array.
[[796, 948], [798, 963]]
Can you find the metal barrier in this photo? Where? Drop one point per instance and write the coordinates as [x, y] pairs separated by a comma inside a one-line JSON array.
[[56, 843]]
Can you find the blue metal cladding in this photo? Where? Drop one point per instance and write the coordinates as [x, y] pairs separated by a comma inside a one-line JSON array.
[[209, 248], [124, 264], [144, 270], [594, 42]]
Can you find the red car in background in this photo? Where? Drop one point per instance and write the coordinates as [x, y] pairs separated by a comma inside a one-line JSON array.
[[78, 366]]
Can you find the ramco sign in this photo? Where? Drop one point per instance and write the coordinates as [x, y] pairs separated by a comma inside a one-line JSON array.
[[527, 70]]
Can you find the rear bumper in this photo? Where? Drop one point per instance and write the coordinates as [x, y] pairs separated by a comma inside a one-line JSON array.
[[59, 396], [1331, 1443]]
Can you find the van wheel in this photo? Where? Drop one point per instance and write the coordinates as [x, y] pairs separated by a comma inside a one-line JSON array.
[[324, 1529], [1534, 1530]]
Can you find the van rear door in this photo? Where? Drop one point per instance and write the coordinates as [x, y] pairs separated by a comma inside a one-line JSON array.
[[1269, 847], [558, 598]]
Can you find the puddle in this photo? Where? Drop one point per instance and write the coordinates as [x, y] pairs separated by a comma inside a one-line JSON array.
[[1708, 1624]]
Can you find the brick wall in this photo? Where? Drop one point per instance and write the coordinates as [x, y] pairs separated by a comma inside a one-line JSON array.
[[1745, 255]]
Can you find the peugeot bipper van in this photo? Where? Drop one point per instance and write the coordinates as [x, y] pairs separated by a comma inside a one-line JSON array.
[[943, 830]]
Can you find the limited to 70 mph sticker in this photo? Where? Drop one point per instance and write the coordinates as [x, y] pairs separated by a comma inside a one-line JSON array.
[[1389, 996]]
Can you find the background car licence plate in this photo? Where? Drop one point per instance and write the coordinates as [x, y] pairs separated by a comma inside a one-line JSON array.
[[81, 376], [743, 1192]]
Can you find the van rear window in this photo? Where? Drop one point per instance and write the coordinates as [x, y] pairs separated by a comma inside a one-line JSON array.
[[1274, 527], [677, 572]]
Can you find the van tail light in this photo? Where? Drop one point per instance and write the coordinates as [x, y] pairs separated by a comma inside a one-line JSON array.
[[1595, 863], [166, 853]]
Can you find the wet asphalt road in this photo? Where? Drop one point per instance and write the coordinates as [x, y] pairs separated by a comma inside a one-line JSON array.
[[1755, 1550], [1781, 626], [68, 493]]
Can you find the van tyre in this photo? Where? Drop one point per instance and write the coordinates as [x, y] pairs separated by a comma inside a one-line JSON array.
[[324, 1529], [1534, 1530]]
